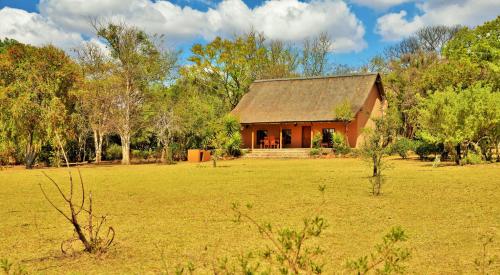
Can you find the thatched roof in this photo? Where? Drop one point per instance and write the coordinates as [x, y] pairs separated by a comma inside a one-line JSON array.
[[303, 99]]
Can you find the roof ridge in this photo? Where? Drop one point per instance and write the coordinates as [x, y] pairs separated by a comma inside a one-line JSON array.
[[314, 77]]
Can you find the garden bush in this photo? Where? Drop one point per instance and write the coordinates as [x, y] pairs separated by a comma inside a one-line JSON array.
[[402, 146], [315, 152], [114, 152], [233, 145], [316, 141], [339, 144], [472, 158], [424, 149]]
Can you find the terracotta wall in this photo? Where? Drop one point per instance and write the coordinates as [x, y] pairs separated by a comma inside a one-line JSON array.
[[371, 108]]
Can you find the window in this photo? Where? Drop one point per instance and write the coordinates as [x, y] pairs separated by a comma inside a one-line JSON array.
[[287, 136], [327, 135]]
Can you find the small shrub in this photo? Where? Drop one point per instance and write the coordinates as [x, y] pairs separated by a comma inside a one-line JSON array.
[[339, 144], [485, 261], [289, 250], [8, 268], [472, 158], [402, 146], [424, 149], [316, 141], [114, 152], [315, 152], [437, 161], [233, 145], [388, 258], [143, 154]]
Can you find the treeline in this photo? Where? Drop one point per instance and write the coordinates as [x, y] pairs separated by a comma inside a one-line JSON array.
[[134, 97]]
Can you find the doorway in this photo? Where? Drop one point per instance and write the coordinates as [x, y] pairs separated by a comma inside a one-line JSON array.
[[306, 136]]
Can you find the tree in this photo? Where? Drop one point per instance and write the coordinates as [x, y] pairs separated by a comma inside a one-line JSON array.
[[96, 97], [166, 121], [35, 98], [141, 63], [228, 67], [223, 133], [315, 54], [460, 118], [344, 113], [479, 46]]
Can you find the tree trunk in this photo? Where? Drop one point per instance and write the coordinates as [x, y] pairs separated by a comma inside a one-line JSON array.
[[98, 139], [30, 155], [375, 165], [346, 134], [125, 149], [458, 155]]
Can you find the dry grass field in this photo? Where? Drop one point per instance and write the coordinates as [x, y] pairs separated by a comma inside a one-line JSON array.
[[183, 212]]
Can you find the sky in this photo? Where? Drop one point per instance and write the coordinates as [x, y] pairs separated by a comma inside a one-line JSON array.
[[359, 29]]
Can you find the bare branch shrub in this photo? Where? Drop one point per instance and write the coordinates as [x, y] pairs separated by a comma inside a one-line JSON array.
[[89, 233]]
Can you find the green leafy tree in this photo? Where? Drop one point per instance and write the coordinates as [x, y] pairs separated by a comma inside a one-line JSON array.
[[96, 96], [227, 67], [344, 113], [459, 118], [222, 134], [141, 63], [480, 46], [35, 97]]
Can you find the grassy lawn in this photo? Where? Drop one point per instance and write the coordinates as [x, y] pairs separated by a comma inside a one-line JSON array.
[[183, 212]]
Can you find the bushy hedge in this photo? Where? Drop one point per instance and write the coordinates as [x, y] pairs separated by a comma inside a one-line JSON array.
[[339, 144], [402, 146], [114, 152]]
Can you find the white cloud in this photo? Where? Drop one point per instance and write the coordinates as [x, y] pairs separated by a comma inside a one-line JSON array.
[[379, 4], [290, 20], [395, 26], [32, 28]]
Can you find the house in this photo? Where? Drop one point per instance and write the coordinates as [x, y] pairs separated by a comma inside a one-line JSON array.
[[287, 113]]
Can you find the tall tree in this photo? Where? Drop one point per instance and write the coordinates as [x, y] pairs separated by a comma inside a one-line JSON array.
[[97, 94], [315, 55], [228, 67], [35, 99], [141, 63]]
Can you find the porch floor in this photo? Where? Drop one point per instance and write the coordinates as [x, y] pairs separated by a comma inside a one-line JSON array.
[[279, 153]]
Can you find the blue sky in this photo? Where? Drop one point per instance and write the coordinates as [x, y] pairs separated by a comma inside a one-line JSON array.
[[360, 29]]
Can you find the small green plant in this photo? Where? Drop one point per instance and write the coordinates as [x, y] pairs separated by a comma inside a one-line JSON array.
[[316, 141], [424, 149], [472, 158], [8, 268], [437, 161], [288, 250], [389, 257], [339, 144], [315, 152], [114, 152], [402, 146], [485, 261]]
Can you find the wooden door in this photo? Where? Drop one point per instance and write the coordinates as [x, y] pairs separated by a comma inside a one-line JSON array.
[[306, 136]]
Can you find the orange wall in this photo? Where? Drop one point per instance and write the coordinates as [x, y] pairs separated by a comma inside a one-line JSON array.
[[371, 108]]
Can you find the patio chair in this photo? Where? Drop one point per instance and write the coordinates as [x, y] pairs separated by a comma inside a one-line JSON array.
[[266, 142], [272, 142]]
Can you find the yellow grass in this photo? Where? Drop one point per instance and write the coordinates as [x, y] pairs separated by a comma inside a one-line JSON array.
[[183, 211]]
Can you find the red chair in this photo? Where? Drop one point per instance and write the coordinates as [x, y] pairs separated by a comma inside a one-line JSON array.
[[272, 142]]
